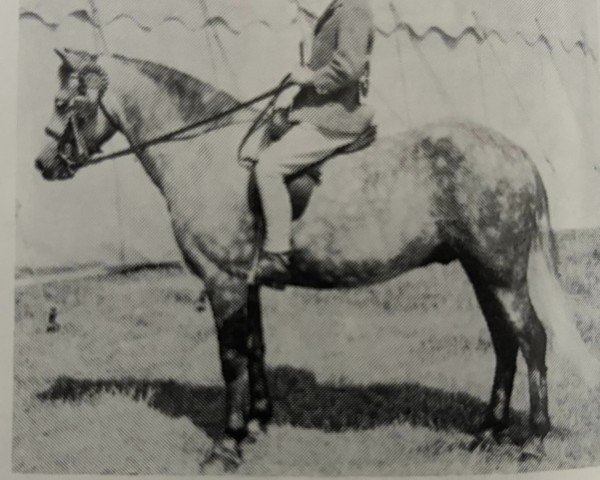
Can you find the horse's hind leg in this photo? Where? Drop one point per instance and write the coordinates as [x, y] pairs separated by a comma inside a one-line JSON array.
[[513, 322], [506, 347]]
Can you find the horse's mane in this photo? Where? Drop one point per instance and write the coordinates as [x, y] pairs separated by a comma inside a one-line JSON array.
[[192, 96]]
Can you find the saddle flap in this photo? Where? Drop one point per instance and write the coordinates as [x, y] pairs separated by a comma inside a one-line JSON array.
[[364, 140], [301, 185]]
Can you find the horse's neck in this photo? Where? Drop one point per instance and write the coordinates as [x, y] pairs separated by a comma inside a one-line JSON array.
[[138, 114], [198, 177], [145, 111]]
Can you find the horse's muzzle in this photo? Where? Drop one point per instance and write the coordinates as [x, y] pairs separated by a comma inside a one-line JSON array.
[[51, 164]]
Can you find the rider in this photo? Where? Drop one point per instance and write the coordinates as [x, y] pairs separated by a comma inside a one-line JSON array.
[[326, 114]]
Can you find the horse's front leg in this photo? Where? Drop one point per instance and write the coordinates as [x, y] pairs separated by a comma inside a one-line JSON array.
[[228, 299], [261, 407]]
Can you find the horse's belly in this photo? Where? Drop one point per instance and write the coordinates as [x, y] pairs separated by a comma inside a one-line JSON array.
[[364, 226]]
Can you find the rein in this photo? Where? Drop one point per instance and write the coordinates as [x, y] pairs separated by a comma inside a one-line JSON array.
[[285, 83], [171, 136]]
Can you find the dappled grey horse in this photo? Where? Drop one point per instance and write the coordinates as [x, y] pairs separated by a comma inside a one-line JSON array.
[[447, 191]]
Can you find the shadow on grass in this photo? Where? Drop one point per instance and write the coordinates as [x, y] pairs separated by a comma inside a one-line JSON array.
[[299, 401]]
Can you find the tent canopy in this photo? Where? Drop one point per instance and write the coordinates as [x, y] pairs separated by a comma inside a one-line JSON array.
[[565, 24], [528, 69]]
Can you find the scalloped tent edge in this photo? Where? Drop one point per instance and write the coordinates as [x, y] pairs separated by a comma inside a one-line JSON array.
[[52, 18]]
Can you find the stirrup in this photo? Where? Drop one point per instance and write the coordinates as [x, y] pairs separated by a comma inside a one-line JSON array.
[[275, 270]]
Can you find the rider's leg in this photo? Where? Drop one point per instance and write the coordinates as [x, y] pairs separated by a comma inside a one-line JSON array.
[[277, 207], [297, 150]]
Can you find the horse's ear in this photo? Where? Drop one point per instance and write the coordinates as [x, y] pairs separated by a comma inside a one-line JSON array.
[[63, 56]]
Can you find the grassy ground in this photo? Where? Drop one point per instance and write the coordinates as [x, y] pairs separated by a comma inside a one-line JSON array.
[[386, 381]]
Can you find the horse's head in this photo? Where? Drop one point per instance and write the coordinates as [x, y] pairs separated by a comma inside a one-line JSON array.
[[80, 123]]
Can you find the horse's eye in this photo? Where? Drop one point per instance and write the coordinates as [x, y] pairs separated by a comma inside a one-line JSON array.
[[73, 82]]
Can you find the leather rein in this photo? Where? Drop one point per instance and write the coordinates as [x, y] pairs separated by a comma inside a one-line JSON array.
[[71, 139]]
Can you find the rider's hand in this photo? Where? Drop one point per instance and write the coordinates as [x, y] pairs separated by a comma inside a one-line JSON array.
[[302, 76]]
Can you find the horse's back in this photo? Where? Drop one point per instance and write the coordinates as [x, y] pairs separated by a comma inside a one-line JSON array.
[[439, 164], [370, 217], [393, 205]]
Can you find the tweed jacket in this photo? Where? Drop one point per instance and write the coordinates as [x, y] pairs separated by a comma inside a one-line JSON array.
[[342, 43]]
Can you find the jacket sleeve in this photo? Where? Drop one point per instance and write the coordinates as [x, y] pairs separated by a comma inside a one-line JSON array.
[[355, 31]]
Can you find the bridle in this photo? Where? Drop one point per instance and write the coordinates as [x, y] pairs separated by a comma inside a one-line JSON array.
[[74, 152], [68, 141]]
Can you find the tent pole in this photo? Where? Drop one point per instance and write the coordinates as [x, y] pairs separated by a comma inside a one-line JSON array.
[[400, 59], [98, 25], [37, 283], [221, 48], [99, 34], [486, 111], [558, 72], [515, 94], [442, 91]]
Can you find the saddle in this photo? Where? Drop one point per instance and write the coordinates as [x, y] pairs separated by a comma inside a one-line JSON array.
[[301, 185]]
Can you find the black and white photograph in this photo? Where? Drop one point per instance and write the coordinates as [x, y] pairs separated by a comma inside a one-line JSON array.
[[306, 238]]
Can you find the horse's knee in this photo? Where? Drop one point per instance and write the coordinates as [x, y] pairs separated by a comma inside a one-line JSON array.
[[233, 364], [256, 349], [232, 332]]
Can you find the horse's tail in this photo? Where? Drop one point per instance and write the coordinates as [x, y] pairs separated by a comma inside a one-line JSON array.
[[551, 302]]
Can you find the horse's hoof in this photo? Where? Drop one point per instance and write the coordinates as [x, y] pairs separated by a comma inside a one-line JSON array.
[[533, 450], [256, 430], [484, 441], [224, 457]]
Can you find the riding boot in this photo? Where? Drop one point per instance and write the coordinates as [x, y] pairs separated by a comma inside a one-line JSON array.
[[273, 269]]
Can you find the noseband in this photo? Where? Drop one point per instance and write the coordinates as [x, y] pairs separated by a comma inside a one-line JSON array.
[[72, 148]]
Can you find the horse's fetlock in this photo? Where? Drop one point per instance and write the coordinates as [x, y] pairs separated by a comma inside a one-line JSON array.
[[493, 422], [261, 410], [238, 434], [540, 425]]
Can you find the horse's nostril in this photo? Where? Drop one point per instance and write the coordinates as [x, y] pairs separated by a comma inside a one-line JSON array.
[[38, 164]]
